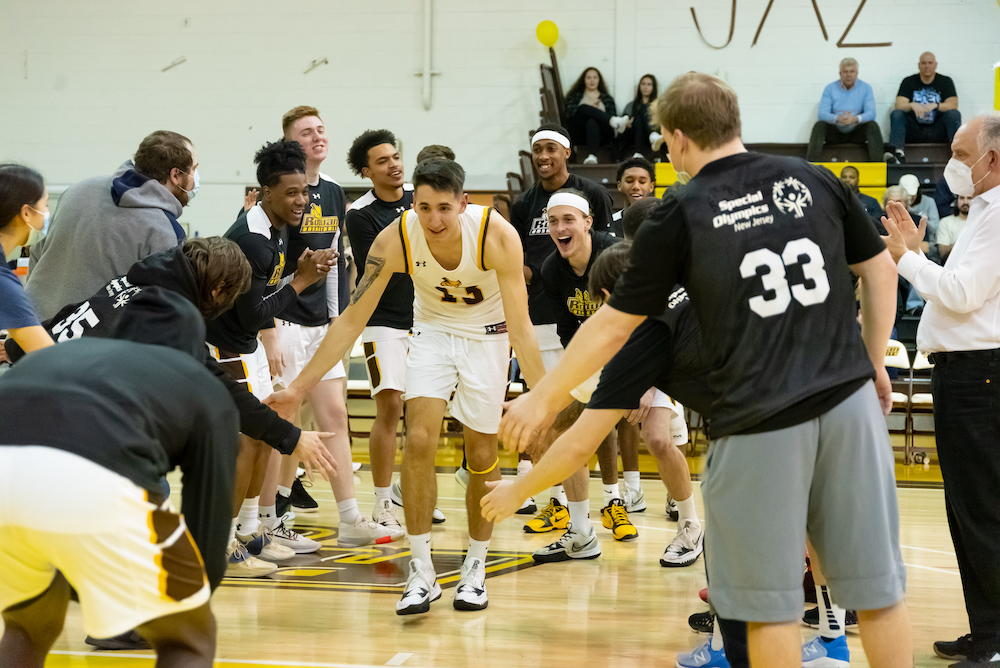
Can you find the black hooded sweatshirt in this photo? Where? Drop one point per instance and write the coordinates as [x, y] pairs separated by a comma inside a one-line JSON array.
[[145, 306]]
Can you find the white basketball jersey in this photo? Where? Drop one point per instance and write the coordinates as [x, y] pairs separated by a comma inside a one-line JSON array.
[[464, 301]]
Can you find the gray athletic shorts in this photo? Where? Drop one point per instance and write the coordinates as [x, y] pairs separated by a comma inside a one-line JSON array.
[[832, 477]]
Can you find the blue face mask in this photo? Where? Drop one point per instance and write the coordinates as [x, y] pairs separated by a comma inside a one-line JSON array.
[[197, 184]]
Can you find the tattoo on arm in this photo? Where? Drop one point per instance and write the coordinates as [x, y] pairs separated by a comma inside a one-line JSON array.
[[373, 267]]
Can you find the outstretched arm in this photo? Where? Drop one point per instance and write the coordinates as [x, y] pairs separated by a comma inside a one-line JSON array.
[[505, 254], [385, 257], [596, 342], [571, 450]]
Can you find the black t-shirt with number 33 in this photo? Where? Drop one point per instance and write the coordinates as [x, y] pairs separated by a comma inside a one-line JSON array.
[[762, 244]]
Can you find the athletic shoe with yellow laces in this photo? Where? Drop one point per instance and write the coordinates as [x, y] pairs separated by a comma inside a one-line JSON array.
[[553, 516], [615, 517]]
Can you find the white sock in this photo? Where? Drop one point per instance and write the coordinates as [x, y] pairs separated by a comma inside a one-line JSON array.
[[611, 492], [632, 480], [687, 511], [558, 493], [232, 530], [477, 549], [382, 493], [348, 509], [831, 617], [579, 515], [267, 513], [248, 515], [523, 466], [716, 634], [284, 491], [420, 548]]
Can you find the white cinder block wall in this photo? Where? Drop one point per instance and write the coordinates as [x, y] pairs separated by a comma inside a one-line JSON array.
[[82, 81]]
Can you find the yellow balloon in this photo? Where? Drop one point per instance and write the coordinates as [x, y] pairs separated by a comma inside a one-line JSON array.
[[547, 33]]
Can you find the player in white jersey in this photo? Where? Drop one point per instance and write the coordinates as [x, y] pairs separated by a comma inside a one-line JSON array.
[[470, 295]]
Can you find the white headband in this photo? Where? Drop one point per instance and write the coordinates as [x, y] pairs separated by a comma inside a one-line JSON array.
[[569, 199], [557, 137]]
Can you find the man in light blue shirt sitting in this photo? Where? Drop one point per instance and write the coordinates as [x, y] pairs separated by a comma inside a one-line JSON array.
[[847, 115]]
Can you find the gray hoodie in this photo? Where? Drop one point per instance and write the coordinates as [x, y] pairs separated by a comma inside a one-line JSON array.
[[100, 228]]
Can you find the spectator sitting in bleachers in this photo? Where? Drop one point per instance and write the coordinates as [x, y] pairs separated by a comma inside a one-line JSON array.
[[847, 115], [639, 135], [850, 176], [944, 198], [926, 109], [590, 110], [951, 226], [924, 207]]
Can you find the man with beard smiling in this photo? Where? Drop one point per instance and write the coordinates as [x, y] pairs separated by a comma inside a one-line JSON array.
[[550, 149], [262, 235]]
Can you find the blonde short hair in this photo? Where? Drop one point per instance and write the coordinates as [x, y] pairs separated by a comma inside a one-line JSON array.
[[703, 107]]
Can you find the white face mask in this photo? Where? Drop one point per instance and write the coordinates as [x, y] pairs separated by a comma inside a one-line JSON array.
[[682, 176], [34, 236], [197, 184], [958, 176]]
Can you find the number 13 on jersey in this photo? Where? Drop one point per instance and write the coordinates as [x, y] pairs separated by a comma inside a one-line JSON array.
[[774, 278]]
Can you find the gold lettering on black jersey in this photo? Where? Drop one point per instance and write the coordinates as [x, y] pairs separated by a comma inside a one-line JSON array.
[[315, 223], [276, 274], [581, 305]]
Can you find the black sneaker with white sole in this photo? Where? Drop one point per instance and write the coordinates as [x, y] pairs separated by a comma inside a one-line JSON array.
[[701, 622], [419, 591], [471, 591], [955, 650], [811, 619], [301, 501]]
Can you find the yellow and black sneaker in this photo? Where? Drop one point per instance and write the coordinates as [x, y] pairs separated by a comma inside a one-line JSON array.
[[615, 517], [553, 516]]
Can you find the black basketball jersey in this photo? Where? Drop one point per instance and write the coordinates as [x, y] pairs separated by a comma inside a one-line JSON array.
[[570, 294], [665, 352], [367, 217], [138, 410], [155, 303], [235, 331], [528, 216], [320, 228], [762, 245]]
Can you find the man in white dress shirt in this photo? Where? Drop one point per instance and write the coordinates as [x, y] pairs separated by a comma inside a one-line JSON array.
[[960, 329]]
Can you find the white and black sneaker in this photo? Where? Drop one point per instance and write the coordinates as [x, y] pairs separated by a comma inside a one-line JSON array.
[[686, 546], [471, 591], [528, 507], [385, 515], [293, 540], [672, 513], [421, 588], [396, 494], [571, 545], [634, 499]]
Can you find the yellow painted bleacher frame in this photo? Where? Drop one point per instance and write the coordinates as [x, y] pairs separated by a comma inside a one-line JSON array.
[[872, 176]]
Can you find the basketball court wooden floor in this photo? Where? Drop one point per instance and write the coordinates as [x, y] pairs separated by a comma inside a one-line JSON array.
[[336, 608]]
